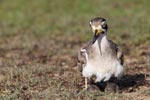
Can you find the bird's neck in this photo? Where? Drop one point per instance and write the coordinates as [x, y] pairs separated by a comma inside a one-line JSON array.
[[102, 42]]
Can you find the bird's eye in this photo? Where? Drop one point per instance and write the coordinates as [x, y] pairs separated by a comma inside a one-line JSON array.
[[104, 24]]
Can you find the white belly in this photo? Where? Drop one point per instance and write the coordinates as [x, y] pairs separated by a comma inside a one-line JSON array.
[[103, 70], [103, 66]]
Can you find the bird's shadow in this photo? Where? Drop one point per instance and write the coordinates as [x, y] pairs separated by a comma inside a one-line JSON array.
[[132, 81], [127, 81]]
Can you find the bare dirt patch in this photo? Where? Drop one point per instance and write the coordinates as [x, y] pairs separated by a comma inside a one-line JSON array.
[[46, 67]]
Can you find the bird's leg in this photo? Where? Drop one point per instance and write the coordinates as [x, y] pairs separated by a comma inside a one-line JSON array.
[[86, 83], [89, 85]]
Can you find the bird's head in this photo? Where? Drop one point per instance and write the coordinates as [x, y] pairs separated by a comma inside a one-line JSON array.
[[99, 27]]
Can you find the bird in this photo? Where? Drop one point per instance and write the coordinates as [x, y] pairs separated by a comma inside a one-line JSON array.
[[100, 56]]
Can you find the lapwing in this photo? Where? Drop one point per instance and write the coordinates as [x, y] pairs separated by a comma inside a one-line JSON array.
[[100, 56]]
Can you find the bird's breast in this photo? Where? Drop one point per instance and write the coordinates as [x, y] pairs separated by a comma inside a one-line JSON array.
[[105, 57], [101, 47]]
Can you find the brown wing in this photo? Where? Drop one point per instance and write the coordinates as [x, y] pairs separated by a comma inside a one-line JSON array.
[[81, 56], [81, 60], [117, 51]]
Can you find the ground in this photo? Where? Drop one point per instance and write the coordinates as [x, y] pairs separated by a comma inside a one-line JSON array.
[[39, 41]]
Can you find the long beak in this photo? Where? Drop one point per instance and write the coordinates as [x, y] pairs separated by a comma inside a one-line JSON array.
[[96, 35], [94, 38], [100, 47]]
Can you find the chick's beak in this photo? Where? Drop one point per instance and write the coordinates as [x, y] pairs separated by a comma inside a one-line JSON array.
[[96, 34]]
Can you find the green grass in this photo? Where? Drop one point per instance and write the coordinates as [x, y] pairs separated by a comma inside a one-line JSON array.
[[72, 17], [39, 40]]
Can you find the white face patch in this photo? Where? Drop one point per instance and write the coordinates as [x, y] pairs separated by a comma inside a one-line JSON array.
[[96, 27], [104, 23], [99, 27]]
